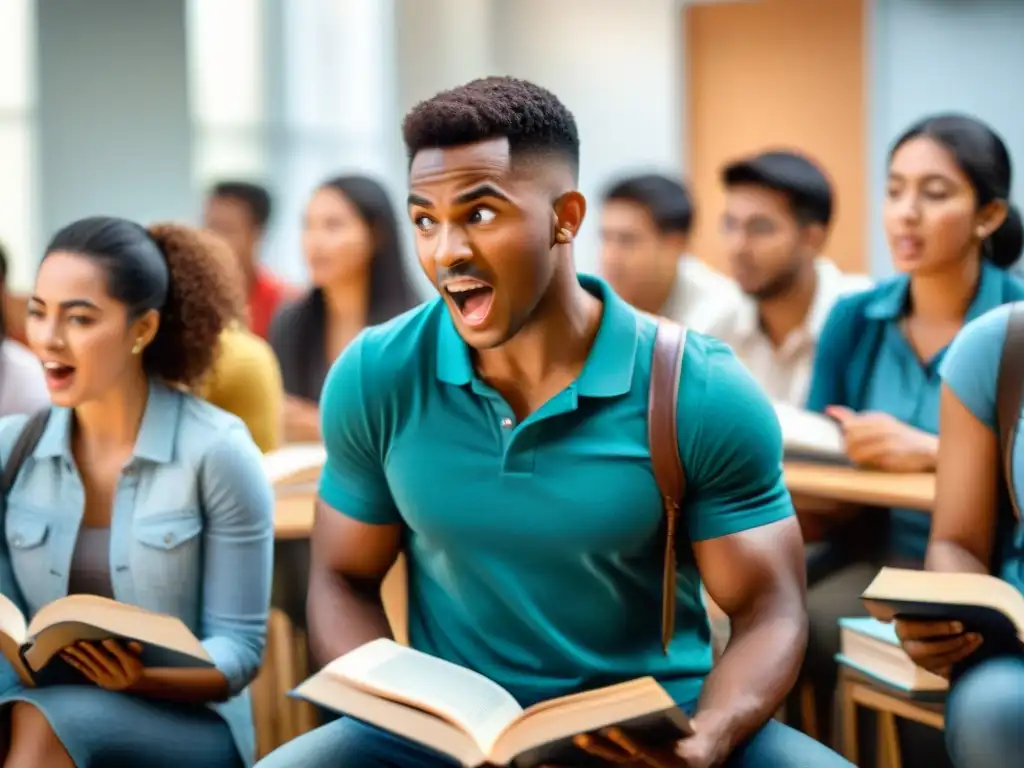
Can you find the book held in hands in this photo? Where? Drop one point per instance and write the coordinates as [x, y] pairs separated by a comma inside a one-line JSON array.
[[981, 603], [473, 720], [33, 648]]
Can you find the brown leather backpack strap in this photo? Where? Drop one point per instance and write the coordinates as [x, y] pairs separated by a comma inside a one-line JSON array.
[[666, 370], [1010, 395]]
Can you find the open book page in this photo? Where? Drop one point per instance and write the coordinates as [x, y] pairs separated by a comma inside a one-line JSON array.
[[406, 721], [13, 632], [899, 585], [810, 435], [88, 617], [640, 705], [480, 707], [295, 464]]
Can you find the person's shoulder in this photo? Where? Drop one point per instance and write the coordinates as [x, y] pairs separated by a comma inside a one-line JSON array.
[[712, 372], [241, 347], [199, 420], [10, 428], [1013, 286], [980, 342]]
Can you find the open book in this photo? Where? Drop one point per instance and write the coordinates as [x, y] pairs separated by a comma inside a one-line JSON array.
[[809, 436], [295, 464], [984, 604], [475, 721], [872, 648], [33, 648]]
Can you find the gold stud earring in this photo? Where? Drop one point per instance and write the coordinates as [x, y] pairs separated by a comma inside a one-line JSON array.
[[981, 233], [563, 236], [138, 347]]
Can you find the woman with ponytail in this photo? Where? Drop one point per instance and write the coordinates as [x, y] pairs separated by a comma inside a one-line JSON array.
[[139, 492], [953, 234]]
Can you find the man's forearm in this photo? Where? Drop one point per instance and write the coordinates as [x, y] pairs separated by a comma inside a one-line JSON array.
[[343, 614], [755, 673]]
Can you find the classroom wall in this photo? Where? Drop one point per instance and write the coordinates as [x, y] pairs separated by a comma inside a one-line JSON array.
[[778, 74], [114, 132]]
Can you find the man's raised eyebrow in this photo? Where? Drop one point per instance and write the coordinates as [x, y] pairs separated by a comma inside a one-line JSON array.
[[484, 190], [416, 200]]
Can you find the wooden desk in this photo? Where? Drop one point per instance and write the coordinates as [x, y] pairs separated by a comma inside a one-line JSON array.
[[876, 489], [293, 515]]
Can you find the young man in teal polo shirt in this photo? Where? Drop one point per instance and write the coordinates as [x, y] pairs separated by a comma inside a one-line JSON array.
[[499, 434]]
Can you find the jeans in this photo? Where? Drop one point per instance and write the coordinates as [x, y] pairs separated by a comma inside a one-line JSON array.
[[985, 715], [348, 742]]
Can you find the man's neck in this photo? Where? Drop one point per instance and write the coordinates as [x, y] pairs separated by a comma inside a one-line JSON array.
[[782, 314], [550, 351]]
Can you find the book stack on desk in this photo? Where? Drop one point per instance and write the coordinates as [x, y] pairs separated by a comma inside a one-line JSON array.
[[871, 648]]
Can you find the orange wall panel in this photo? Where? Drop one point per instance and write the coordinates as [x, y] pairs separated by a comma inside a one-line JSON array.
[[779, 74]]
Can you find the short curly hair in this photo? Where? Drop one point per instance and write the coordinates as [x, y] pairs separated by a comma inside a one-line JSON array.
[[532, 118], [172, 268]]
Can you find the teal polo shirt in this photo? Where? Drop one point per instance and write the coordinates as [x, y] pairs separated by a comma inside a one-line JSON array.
[[865, 362], [535, 548], [971, 372]]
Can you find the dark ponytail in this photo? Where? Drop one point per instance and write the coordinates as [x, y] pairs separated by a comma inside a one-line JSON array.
[[170, 268], [1004, 246], [983, 157]]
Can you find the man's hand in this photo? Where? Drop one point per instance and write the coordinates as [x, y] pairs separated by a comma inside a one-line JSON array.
[[615, 747], [936, 645], [881, 441]]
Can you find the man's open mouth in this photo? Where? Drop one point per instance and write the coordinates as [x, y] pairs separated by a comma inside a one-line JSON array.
[[472, 298]]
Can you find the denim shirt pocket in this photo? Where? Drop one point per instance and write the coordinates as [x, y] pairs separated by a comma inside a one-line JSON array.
[[167, 561], [28, 532]]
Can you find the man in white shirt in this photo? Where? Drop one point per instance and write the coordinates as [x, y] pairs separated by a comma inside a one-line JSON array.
[[645, 232], [777, 215]]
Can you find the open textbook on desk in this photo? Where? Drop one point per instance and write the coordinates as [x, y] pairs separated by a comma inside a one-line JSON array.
[[475, 721], [30, 647], [811, 437]]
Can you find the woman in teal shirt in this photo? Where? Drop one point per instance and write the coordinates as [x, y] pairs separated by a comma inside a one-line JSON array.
[[985, 709], [952, 235], [139, 492]]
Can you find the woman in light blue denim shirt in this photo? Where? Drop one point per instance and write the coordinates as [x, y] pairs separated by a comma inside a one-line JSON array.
[[138, 492]]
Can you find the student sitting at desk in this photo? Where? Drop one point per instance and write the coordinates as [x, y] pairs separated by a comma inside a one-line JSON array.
[[985, 709], [138, 492], [952, 235]]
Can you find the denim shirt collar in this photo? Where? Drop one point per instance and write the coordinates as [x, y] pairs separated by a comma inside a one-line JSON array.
[[156, 438]]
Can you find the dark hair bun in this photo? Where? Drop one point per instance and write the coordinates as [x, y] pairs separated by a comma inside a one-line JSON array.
[[205, 296], [1004, 246]]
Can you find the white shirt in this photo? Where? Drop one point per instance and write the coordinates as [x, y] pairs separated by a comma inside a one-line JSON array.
[[700, 297], [22, 383], [784, 372]]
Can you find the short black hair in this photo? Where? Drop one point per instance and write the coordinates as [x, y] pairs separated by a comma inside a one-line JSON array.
[[796, 176], [666, 200], [255, 197], [3, 264], [532, 119]]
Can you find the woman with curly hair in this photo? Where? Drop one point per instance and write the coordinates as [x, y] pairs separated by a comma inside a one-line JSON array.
[[138, 491]]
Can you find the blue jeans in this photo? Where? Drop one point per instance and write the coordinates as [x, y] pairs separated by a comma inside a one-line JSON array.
[[985, 715], [349, 743]]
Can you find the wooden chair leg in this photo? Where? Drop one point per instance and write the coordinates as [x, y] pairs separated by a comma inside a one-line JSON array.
[[809, 710], [305, 713], [848, 709], [264, 704], [888, 741], [282, 647]]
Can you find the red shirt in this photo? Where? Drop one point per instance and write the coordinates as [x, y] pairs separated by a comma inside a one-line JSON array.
[[266, 295]]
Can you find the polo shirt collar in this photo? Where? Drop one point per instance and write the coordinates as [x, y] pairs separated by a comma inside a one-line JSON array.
[[893, 300], [608, 370], [156, 438]]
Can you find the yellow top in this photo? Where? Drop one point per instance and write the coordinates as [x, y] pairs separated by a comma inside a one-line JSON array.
[[246, 381]]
